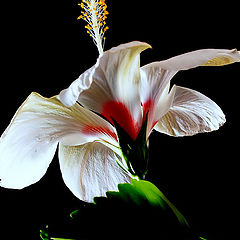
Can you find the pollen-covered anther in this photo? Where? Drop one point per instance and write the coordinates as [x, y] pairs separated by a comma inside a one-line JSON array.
[[95, 13]]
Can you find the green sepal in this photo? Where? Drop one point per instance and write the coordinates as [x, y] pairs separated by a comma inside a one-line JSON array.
[[135, 152]]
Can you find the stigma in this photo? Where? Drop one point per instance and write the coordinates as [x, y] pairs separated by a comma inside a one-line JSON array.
[[94, 12]]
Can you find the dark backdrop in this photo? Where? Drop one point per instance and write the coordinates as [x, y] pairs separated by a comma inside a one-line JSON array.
[[44, 48]]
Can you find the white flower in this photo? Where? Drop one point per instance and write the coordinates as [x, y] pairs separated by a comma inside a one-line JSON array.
[[115, 88]]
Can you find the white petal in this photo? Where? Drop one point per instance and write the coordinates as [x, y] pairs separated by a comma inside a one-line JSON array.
[[71, 125], [90, 170], [70, 95], [155, 83], [116, 78], [28, 144], [24, 156], [203, 57], [191, 113], [155, 77], [114, 89]]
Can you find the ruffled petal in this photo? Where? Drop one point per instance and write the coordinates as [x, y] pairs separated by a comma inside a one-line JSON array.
[[24, 156], [156, 76], [114, 88], [28, 144], [70, 95], [203, 57], [90, 170], [155, 84], [191, 113]]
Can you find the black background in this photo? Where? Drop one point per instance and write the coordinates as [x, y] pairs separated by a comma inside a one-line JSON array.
[[44, 48]]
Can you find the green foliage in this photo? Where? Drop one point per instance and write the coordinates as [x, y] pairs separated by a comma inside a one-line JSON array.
[[138, 210], [140, 194]]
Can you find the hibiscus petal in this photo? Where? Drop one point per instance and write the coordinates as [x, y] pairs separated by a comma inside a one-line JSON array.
[[70, 95], [114, 89], [191, 113], [90, 170], [28, 144], [156, 76], [118, 77], [203, 57], [155, 84], [24, 157]]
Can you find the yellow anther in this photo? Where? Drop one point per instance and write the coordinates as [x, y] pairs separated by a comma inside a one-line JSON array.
[[95, 13]]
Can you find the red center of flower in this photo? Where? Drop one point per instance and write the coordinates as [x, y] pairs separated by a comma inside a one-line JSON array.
[[119, 112]]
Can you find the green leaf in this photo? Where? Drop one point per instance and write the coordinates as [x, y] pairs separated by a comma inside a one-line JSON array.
[[140, 194], [138, 210]]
